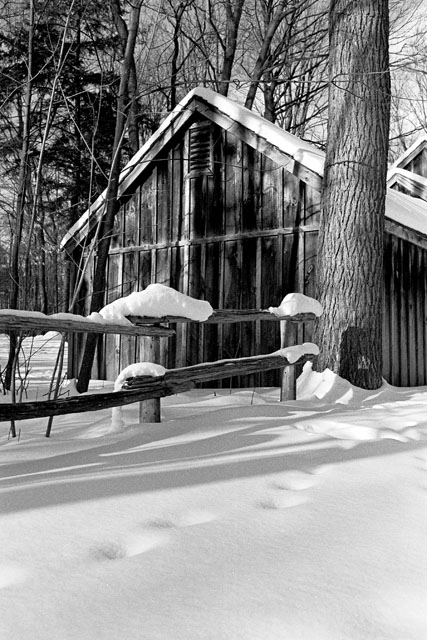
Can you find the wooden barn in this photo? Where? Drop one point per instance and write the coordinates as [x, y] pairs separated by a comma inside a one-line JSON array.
[[224, 206]]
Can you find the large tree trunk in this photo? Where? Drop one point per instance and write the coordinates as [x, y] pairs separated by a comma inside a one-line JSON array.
[[350, 259]]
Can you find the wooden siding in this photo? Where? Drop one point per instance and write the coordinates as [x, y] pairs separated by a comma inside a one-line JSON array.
[[230, 236], [405, 299], [242, 235]]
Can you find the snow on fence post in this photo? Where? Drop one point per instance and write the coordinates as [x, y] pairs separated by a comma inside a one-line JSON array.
[[149, 410]]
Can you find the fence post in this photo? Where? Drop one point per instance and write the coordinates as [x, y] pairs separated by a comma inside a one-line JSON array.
[[149, 410], [288, 336]]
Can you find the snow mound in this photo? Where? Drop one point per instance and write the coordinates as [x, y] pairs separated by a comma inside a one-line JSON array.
[[367, 422], [157, 301], [327, 386], [139, 369], [296, 303]]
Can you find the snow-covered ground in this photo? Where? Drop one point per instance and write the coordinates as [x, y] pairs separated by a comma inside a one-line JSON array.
[[238, 517]]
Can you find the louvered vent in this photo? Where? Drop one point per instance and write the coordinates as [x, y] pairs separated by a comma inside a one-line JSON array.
[[200, 149]]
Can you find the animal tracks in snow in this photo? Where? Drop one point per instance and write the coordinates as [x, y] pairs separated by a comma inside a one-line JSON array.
[[295, 481], [282, 501], [148, 536], [289, 489]]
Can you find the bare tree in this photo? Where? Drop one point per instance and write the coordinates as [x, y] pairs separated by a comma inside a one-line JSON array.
[[274, 16], [21, 197], [111, 204], [233, 12]]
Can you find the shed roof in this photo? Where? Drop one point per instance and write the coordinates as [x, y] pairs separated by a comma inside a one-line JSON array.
[[297, 156]]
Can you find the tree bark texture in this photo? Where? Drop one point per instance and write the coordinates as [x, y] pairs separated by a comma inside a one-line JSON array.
[[350, 254]]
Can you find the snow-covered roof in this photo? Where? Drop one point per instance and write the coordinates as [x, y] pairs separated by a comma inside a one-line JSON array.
[[298, 156], [406, 211]]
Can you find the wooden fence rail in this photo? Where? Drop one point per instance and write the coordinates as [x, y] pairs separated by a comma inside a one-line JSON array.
[[36, 323], [141, 325], [146, 389], [142, 388], [226, 316]]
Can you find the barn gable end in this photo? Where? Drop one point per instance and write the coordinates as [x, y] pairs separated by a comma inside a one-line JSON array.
[[225, 207]]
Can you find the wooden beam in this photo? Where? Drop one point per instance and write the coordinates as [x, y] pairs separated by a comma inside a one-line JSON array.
[[227, 316], [263, 233]]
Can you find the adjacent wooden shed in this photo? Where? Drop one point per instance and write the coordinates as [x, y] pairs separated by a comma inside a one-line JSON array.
[[224, 206]]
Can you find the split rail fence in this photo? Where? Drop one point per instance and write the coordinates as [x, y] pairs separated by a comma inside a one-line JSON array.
[[147, 389]]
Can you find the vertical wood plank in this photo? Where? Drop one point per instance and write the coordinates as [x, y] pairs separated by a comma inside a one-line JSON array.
[[290, 197], [411, 317], [395, 377], [175, 344], [232, 288], [250, 189], [312, 206], [162, 221], [272, 199], [232, 184], [419, 281], [147, 195], [213, 295], [249, 301], [176, 191], [131, 221], [403, 311], [423, 313], [388, 308], [271, 295], [214, 206], [194, 287]]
